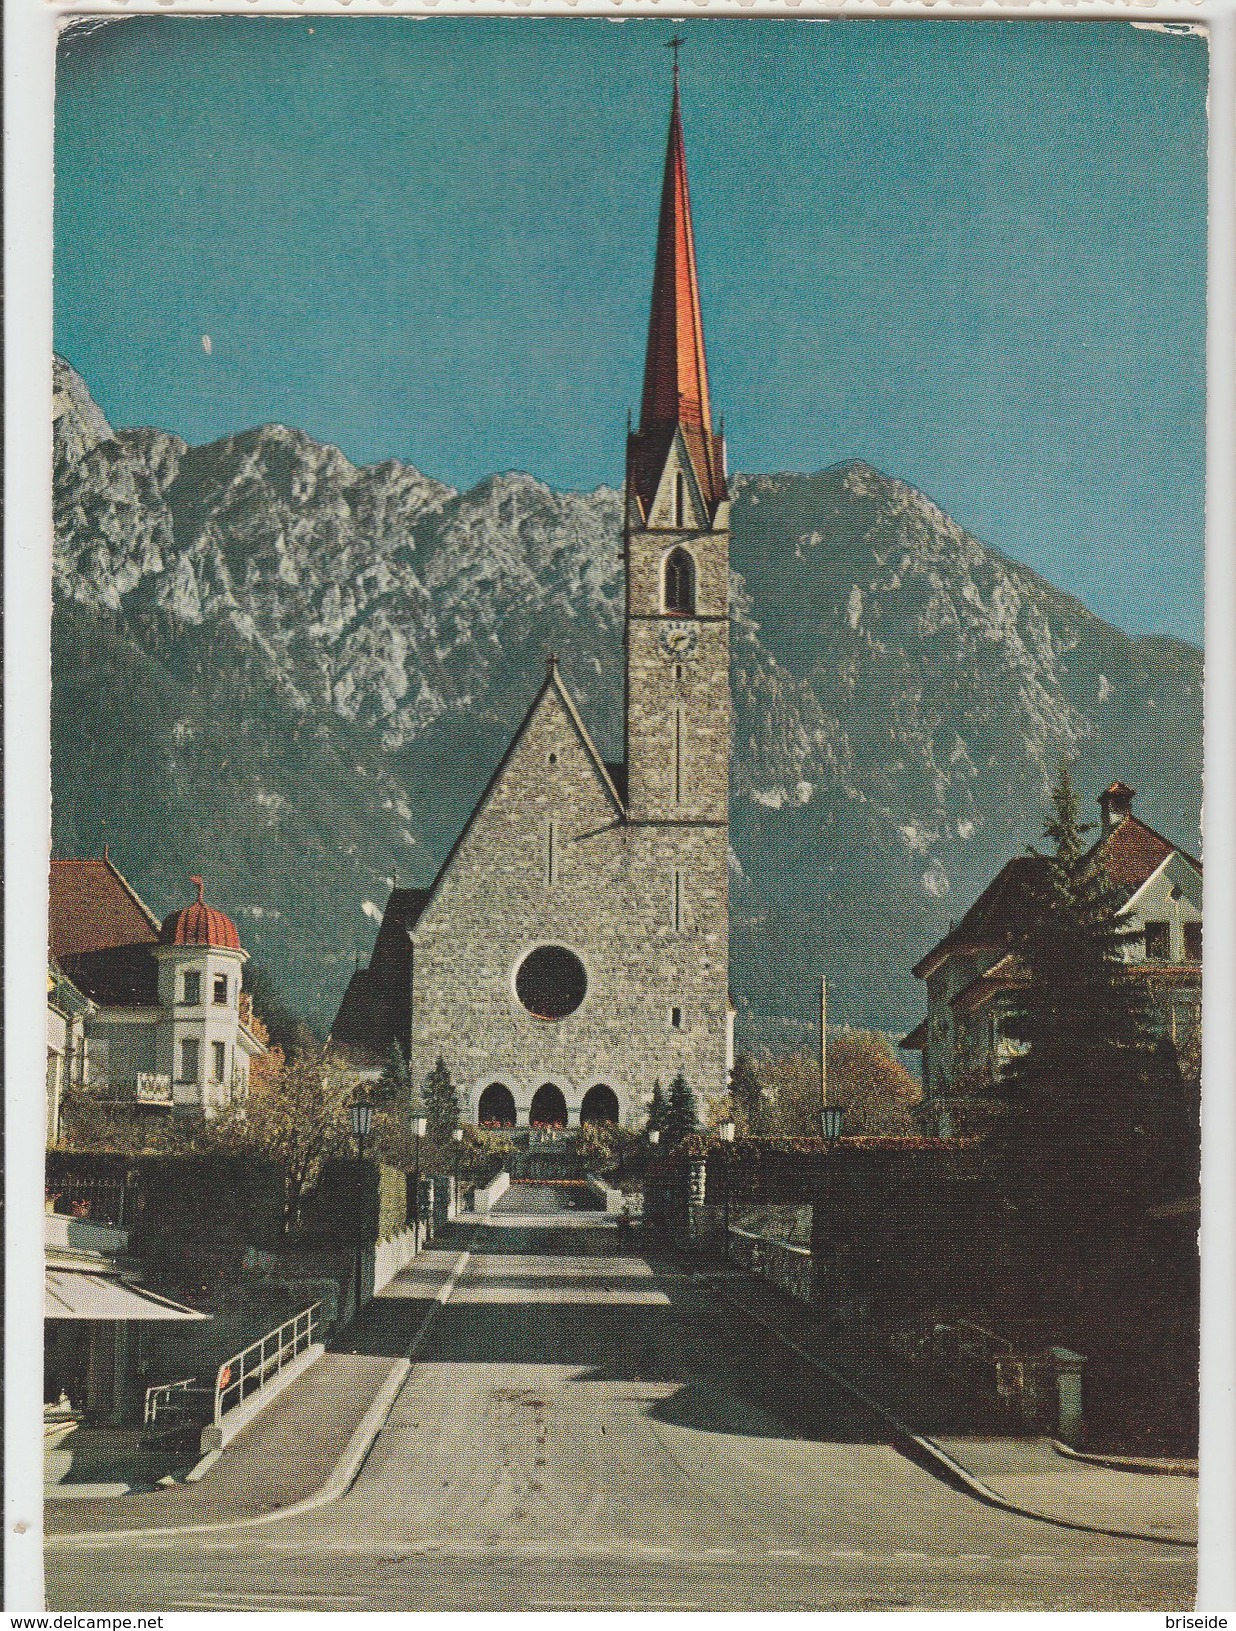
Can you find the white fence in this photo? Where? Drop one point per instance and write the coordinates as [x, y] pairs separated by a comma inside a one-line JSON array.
[[254, 1369]]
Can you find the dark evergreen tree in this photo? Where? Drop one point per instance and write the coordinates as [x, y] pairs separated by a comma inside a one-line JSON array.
[[441, 1105], [1077, 1088], [748, 1095], [680, 1119], [286, 1029], [396, 1082], [658, 1109]]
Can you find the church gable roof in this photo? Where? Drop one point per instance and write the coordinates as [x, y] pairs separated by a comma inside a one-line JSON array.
[[553, 693]]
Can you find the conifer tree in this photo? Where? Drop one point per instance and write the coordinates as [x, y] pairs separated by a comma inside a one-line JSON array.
[[441, 1104], [748, 1095], [1077, 1086], [396, 1082], [681, 1120], [658, 1109]]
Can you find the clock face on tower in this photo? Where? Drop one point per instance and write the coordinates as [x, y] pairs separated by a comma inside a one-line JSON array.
[[679, 640]]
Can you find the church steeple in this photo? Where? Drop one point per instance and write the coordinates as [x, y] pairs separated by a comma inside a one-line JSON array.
[[677, 546], [675, 393], [676, 370]]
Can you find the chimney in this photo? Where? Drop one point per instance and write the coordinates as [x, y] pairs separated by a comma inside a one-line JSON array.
[[1116, 803]]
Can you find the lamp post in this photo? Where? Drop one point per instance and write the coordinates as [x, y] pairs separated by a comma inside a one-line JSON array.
[[360, 1114], [418, 1132], [457, 1140], [726, 1130], [831, 1118]]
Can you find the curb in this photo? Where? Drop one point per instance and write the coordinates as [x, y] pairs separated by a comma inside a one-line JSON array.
[[198, 1472], [346, 1470], [85, 1492], [1160, 1467], [942, 1464]]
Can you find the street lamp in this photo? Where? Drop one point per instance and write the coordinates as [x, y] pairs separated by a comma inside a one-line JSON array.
[[419, 1124], [831, 1118], [360, 1114], [726, 1130], [457, 1140]]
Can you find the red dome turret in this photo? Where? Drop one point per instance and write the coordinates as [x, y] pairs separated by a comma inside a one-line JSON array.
[[200, 925]]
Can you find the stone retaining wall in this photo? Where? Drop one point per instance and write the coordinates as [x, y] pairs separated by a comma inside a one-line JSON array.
[[790, 1267]]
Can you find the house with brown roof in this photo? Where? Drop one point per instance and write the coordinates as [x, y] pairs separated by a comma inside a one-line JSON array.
[[168, 1027], [973, 973]]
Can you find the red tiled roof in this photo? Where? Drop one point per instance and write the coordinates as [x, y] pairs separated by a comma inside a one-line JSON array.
[[93, 908], [200, 925], [1006, 975], [917, 1039], [1132, 851]]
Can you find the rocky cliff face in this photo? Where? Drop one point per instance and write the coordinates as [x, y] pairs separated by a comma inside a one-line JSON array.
[[298, 675]]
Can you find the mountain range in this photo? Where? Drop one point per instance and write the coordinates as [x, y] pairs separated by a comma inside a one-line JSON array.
[[295, 676]]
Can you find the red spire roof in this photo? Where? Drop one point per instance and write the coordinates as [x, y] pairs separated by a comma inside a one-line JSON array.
[[200, 925], [676, 371]]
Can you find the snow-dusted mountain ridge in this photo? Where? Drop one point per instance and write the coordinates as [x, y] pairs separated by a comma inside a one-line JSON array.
[[297, 674]]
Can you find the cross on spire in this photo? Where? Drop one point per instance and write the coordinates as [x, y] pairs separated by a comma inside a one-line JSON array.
[[673, 45]]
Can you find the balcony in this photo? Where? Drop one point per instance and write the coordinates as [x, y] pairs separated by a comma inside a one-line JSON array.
[[147, 1087]]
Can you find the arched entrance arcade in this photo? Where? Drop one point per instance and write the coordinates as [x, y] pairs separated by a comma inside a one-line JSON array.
[[549, 1107], [497, 1106], [600, 1105]]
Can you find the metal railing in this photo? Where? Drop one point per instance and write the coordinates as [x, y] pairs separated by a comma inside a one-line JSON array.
[[957, 1343], [146, 1087], [172, 1399], [152, 1087], [100, 1200], [253, 1369]]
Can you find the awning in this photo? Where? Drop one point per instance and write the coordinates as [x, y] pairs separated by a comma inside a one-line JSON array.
[[69, 1294]]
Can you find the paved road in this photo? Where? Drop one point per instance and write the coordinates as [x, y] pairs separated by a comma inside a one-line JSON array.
[[583, 1429]]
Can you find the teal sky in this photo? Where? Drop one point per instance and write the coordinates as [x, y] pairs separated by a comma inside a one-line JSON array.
[[970, 253]]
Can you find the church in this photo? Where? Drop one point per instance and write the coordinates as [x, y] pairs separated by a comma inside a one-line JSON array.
[[574, 946]]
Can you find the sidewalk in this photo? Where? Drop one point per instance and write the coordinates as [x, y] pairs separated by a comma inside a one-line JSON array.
[[1026, 1474], [287, 1453], [1032, 1475]]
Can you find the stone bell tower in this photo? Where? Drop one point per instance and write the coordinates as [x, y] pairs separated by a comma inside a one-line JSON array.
[[677, 546]]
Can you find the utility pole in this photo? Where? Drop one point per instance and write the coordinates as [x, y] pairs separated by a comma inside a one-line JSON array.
[[823, 1041]]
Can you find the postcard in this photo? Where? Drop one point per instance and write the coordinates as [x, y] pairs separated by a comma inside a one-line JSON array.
[[625, 879]]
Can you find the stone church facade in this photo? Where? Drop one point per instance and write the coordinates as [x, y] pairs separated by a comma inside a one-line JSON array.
[[574, 946]]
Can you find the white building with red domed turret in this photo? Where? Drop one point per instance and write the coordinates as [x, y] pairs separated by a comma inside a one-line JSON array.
[[171, 1029]]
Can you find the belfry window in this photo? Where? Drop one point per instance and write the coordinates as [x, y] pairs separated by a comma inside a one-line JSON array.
[[680, 583]]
